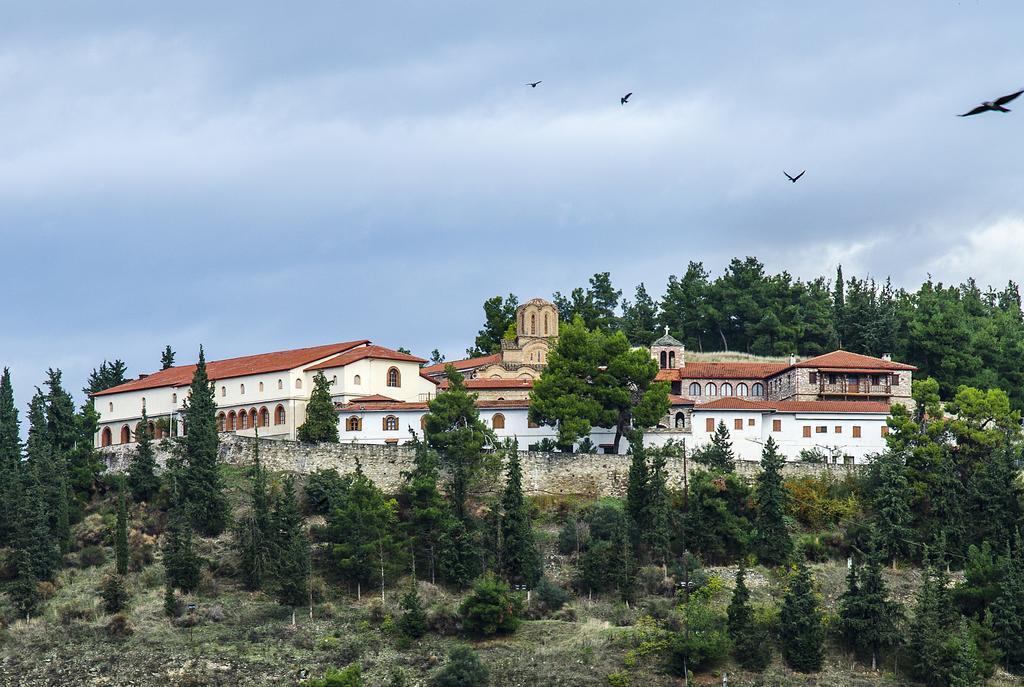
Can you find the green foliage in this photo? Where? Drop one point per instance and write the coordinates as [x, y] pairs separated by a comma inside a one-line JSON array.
[[121, 532], [594, 306], [201, 485], [172, 607], [750, 639], [821, 501], [718, 455], [932, 623], [107, 376], [323, 490], [114, 593], [595, 379], [413, 621], [704, 641], [499, 315], [983, 574], [640, 318], [289, 549], [142, 479], [550, 595], [181, 563], [520, 560], [771, 539], [10, 459], [463, 669], [350, 676], [892, 516], [607, 564], [868, 619], [167, 358], [801, 627], [1008, 611], [321, 424], [490, 609], [254, 534], [717, 522]]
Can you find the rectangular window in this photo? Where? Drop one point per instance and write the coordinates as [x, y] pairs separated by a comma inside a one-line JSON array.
[[807, 431], [814, 377], [750, 422], [821, 430], [895, 380], [776, 425], [839, 429], [709, 424], [737, 423], [856, 431], [885, 430]]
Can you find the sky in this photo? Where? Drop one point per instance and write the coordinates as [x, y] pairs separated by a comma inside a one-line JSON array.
[[260, 176]]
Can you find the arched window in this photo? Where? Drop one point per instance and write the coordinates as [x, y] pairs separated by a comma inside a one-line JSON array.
[[220, 422], [223, 391], [252, 418], [545, 324], [357, 380], [390, 423], [241, 389], [106, 438], [671, 360], [680, 421], [394, 377], [727, 389], [126, 434], [694, 389], [110, 406], [710, 389], [354, 424], [261, 387], [232, 421], [243, 420], [174, 399], [280, 384], [298, 383], [533, 324], [279, 416], [741, 389], [664, 360], [264, 417], [498, 421], [758, 389]]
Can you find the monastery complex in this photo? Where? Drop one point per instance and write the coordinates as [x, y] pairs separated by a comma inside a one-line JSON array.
[[834, 403]]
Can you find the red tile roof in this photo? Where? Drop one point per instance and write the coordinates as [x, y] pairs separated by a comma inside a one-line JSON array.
[[236, 367], [494, 383], [680, 400], [461, 365], [700, 370], [379, 352], [375, 398], [844, 360], [733, 403], [399, 406]]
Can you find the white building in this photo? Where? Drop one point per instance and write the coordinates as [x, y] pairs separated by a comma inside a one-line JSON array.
[[268, 391]]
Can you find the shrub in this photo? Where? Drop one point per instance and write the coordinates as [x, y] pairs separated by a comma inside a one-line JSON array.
[[350, 676], [550, 595], [323, 488], [813, 548], [114, 593], [92, 556], [573, 536], [141, 547], [77, 609], [443, 620], [413, 622], [119, 627], [490, 608], [704, 645], [463, 669]]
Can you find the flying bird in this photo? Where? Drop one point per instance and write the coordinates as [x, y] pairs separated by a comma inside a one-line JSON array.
[[624, 99], [533, 84], [993, 105], [793, 179]]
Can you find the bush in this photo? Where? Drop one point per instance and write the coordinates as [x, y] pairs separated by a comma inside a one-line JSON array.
[[77, 609], [463, 669], [551, 596], [443, 620], [92, 556], [322, 491], [350, 676], [490, 609], [704, 645], [119, 627], [813, 548], [114, 594], [413, 621], [573, 536]]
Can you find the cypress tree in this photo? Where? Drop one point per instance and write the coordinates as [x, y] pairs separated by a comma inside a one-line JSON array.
[[718, 455], [801, 629], [167, 358], [121, 533], [181, 563], [520, 559], [10, 458], [1008, 611], [637, 489], [892, 517], [429, 517], [142, 479], [202, 485], [771, 539], [751, 645], [740, 615], [43, 483], [867, 617], [321, 423], [255, 533], [290, 550], [34, 544], [932, 621], [656, 535]]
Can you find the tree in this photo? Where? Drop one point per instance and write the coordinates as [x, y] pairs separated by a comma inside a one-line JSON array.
[[47, 482], [10, 458], [413, 621], [361, 533], [800, 622], [685, 308], [595, 379], [640, 318], [107, 376], [181, 564], [637, 493], [321, 423], [892, 517], [656, 536], [499, 315], [463, 669], [121, 531], [717, 455], [717, 520], [771, 538], [142, 479], [114, 593], [751, 645], [349, 676], [453, 428], [37, 554], [930, 624], [520, 559], [255, 532], [1008, 610], [167, 358], [202, 484], [289, 550], [867, 617], [436, 357], [490, 608], [429, 517]]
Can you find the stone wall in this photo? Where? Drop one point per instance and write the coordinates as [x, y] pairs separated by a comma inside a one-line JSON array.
[[543, 473]]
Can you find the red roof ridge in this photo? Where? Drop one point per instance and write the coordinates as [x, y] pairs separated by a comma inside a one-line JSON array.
[[370, 351], [465, 363], [840, 358]]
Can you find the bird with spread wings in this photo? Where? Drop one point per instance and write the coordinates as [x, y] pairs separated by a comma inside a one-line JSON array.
[[996, 105]]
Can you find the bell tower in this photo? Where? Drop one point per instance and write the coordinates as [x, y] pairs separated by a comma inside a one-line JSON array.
[[668, 352]]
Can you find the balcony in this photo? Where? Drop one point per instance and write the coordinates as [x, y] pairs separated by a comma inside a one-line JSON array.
[[853, 387]]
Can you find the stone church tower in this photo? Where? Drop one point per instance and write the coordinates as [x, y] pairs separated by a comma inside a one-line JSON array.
[[525, 356]]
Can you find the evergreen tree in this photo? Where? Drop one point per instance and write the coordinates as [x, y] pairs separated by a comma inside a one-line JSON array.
[[321, 423], [1008, 611], [891, 507], [637, 489], [800, 621], [142, 479], [931, 623], [751, 645], [171, 608], [47, 482], [717, 520], [640, 318], [499, 315], [167, 358], [202, 484], [10, 458], [36, 551], [429, 516], [718, 455], [290, 550], [771, 539], [254, 536], [107, 376], [867, 617], [520, 559], [656, 537], [181, 564], [740, 614], [413, 621], [463, 669], [114, 593], [121, 532]]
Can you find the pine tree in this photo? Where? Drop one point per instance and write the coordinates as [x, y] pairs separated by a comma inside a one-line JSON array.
[[801, 629], [290, 550], [171, 607], [43, 515], [413, 621], [867, 617], [656, 536], [167, 358], [202, 485], [181, 564], [33, 537], [1008, 610], [321, 423], [771, 540], [637, 489], [930, 625], [718, 455], [751, 645], [891, 507], [519, 556], [142, 479], [10, 458], [121, 532], [429, 517], [254, 535]]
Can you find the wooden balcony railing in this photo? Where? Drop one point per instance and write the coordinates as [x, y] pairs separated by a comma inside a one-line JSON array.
[[843, 387]]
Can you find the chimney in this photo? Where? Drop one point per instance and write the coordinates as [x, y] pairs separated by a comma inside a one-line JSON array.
[[887, 357], [792, 360], [143, 375]]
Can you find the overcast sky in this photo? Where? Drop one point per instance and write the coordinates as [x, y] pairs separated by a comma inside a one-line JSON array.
[[258, 176]]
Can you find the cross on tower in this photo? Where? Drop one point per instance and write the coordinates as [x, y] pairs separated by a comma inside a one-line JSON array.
[[666, 330]]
